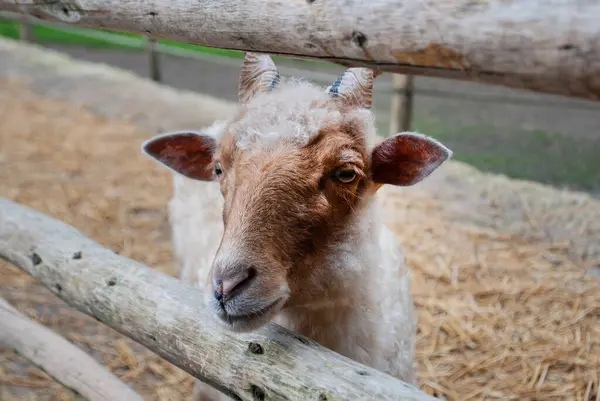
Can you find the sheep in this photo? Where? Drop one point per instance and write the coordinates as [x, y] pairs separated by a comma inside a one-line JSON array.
[[275, 214]]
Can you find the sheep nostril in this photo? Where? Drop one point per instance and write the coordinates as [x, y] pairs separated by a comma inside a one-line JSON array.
[[227, 288]]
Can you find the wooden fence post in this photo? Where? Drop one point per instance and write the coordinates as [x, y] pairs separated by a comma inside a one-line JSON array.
[[153, 59], [26, 28], [401, 104]]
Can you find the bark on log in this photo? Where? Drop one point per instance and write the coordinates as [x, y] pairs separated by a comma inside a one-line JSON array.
[[546, 46], [59, 358], [167, 316]]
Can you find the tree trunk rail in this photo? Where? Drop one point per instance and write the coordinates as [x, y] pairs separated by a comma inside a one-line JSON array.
[[551, 47], [58, 357]]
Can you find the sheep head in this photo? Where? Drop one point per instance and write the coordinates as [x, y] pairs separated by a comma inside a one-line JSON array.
[[296, 166]]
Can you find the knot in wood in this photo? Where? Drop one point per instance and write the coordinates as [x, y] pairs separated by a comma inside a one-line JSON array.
[[256, 348], [359, 38], [35, 259], [323, 397], [258, 393]]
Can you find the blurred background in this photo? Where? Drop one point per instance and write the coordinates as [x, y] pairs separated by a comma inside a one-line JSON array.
[[522, 134]]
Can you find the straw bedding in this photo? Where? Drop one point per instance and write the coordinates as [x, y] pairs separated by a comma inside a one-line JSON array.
[[506, 310]]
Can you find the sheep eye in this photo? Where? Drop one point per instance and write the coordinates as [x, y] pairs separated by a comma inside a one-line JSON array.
[[218, 169], [345, 175]]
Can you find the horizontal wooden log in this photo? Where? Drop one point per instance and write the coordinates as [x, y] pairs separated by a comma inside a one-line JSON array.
[[59, 358], [540, 45], [167, 316]]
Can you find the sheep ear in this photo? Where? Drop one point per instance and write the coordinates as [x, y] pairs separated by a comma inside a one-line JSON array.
[[259, 74], [187, 153], [406, 159], [354, 87]]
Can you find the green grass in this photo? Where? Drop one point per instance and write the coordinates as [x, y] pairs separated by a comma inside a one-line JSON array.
[[9, 29], [45, 35], [546, 157]]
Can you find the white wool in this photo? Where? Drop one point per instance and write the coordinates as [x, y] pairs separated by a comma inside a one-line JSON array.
[[195, 214], [374, 322], [287, 114]]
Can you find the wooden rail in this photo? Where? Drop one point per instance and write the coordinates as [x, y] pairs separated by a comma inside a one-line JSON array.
[[167, 316], [62, 360], [551, 47]]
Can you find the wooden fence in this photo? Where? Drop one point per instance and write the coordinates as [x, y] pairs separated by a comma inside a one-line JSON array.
[[402, 97], [163, 314], [545, 47]]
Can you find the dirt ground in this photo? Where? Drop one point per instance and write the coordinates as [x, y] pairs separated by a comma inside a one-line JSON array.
[[506, 311]]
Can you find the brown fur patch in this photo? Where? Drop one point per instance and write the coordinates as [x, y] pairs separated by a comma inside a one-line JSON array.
[[284, 206]]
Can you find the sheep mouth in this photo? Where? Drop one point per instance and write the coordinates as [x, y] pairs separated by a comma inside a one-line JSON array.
[[252, 320]]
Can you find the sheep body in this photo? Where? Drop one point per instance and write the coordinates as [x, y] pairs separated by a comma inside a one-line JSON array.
[[371, 319], [275, 214]]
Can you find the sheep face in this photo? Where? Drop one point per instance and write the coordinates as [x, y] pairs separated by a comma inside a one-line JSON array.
[[296, 167]]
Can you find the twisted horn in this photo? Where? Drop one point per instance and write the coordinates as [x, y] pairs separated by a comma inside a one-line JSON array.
[[355, 87], [258, 74]]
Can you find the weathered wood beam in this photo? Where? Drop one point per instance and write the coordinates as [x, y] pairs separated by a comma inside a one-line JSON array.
[[167, 316], [62, 360], [540, 45]]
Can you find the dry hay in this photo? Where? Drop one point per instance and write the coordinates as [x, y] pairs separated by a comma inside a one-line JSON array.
[[84, 170], [505, 312], [501, 317]]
